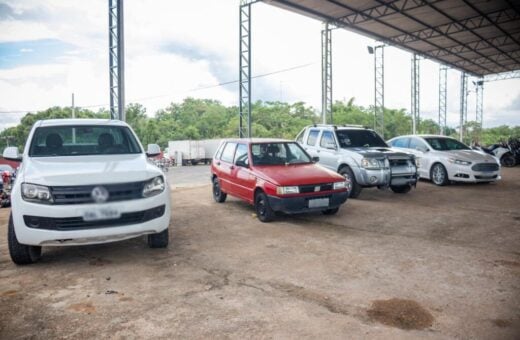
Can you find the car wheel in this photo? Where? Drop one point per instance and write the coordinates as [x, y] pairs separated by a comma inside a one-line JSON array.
[[158, 240], [401, 189], [262, 207], [438, 174], [332, 211], [508, 160], [21, 253], [218, 195], [353, 187]]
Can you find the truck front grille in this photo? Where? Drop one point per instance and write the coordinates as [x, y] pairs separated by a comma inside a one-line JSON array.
[[82, 194]]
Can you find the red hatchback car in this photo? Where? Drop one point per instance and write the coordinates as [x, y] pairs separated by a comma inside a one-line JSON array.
[[275, 175]]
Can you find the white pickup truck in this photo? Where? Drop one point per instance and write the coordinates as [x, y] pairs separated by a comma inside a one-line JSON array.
[[85, 181]]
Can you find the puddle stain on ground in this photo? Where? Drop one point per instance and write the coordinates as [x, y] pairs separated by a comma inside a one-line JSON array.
[[400, 313], [98, 261], [83, 307], [501, 323], [9, 293]]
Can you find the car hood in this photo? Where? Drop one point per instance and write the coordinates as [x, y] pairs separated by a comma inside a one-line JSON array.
[[470, 155], [380, 151], [297, 174], [86, 170]]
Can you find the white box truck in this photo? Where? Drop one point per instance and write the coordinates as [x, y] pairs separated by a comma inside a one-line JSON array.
[[186, 152]]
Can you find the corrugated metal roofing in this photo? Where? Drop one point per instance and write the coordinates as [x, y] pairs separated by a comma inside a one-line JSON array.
[[480, 37]]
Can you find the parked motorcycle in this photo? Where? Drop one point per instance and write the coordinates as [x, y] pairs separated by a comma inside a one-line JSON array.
[[508, 153]]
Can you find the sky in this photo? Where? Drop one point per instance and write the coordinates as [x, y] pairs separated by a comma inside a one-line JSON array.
[[175, 49]]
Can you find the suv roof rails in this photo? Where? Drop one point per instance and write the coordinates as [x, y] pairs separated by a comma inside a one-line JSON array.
[[325, 125], [355, 125]]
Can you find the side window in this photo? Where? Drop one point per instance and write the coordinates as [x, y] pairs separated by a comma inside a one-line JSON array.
[[313, 136], [327, 140], [241, 155], [400, 142], [299, 138], [416, 143], [228, 152], [219, 151]]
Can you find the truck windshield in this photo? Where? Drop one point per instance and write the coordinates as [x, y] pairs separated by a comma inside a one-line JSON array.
[[279, 153], [446, 144], [82, 140], [359, 139]]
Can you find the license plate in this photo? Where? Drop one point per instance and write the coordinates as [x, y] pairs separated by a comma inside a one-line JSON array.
[[319, 203], [101, 214]]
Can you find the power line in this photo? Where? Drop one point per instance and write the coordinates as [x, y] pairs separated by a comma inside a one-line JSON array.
[[200, 88]]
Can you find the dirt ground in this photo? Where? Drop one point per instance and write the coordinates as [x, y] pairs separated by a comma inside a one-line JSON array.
[[437, 263]]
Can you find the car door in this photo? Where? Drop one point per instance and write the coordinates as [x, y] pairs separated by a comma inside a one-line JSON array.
[[225, 167], [328, 150], [242, 177], [420, 150], [310, 144]]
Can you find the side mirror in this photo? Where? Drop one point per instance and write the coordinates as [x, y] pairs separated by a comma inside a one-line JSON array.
[[315, 159], [153, 150], [422, 149], [331, 146], [242, 163], [11, 153]]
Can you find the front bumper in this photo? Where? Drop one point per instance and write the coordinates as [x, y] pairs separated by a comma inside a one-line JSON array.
[[465, 174], [88, 233], [300, 204], [395, 176]]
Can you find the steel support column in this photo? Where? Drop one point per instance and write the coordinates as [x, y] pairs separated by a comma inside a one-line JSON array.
[[379, 89], [244, 89], [443, 87], [116, 54], [480, 100], [415, 95], [463, 103], [326, 73]]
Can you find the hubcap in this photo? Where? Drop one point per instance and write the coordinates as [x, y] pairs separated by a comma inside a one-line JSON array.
[[438, 174], [261, 207], [349, 182], [216, 189]]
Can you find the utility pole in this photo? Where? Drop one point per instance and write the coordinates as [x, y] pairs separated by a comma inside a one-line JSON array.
[[73, 116]]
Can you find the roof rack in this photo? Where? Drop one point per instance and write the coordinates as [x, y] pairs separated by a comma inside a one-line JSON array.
[[325, 125], [355, 125]]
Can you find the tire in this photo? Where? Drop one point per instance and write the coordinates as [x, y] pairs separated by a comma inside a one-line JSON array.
[[218, 195], [332, 211], [194, 162], [439, 175], [508, 160], [401, 189], [354, 187], [159, 240], [262, 208], [20, 253]]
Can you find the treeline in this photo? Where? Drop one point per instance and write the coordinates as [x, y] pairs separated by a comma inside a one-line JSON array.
[[206, 118]]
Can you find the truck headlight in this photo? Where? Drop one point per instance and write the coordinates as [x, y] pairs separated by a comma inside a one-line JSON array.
[[287, 190], [370, 163], [418, 162], [459, 161], [36, 193], [339, 185], [153, 187]]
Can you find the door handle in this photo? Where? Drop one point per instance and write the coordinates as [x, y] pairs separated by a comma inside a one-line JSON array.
[[218, 163], [232, 167], [318, 151]]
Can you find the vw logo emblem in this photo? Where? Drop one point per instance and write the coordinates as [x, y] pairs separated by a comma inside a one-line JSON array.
[[99, 194]]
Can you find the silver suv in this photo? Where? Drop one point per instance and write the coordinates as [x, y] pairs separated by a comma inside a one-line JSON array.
[[360, 155]]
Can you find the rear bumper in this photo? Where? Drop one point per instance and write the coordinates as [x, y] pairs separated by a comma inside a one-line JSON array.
[[296, 205]]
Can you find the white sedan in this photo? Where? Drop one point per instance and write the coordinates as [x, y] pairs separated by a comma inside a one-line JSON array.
[[443, 159]]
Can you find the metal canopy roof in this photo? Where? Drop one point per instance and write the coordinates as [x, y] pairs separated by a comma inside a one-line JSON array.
[[479, 37]]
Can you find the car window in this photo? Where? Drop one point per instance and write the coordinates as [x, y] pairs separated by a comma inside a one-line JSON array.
[[6, 167], [446, 144], [416, 143], [299, 138], [241, 154], [327, 139], [313, 136], [279, 153], [219, 150], [400, 142], [228, 152], [79, 140], [359, 139]]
